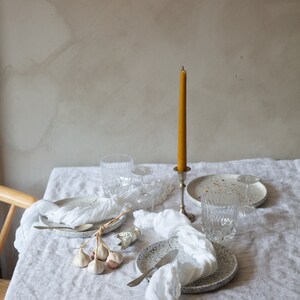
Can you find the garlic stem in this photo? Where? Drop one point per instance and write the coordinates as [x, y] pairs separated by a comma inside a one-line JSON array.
[[103, 227], [105, 245], [117, 217], [97, 242]]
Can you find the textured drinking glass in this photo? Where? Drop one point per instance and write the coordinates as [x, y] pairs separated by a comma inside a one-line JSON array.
[[246, 208], [145, 181], [219, 214], [116, 170]]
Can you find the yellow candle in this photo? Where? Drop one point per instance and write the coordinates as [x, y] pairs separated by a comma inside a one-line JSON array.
[[182, 123]]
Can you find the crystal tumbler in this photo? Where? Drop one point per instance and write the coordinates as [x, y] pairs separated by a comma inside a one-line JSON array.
[[219, 214], [116, 171]]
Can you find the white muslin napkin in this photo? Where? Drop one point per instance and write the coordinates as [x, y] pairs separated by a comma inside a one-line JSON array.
[[167, 224], [168, 290], [105, 209], [74, 216]]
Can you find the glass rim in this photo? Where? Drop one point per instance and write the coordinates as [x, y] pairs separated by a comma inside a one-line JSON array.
[[223, 199], [116, 158]]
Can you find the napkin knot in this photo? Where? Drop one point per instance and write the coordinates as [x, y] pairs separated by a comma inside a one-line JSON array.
[[167, 224]]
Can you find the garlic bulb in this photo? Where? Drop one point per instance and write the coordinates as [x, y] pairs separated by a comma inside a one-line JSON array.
[[96, 267], [114, 259], [101, 252], [81, 259]]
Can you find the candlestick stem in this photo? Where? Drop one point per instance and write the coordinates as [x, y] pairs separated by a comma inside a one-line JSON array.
[[182, 178]]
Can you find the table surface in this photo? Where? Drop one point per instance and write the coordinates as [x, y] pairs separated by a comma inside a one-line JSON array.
[[267, 247]]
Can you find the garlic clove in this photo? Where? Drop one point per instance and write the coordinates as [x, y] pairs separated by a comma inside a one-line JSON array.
[[112, 265], [114, 259], [101, 252], [96, 267], [81, 259], [92, 256]]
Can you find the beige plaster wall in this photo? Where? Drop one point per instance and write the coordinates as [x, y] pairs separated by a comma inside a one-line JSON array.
[[80, 79]]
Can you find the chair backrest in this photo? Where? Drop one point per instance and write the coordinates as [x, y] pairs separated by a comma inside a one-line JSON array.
[[15, 199]]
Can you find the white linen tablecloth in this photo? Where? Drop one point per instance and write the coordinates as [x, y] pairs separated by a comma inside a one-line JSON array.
[[267, 247]]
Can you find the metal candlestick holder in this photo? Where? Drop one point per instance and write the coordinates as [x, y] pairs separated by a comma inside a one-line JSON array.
[[182, 177]]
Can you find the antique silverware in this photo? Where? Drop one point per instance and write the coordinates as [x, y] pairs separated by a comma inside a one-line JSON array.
[[78, 228], [168, 258]]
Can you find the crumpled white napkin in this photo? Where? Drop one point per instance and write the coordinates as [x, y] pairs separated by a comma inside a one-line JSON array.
[[108, 208], [74, 216], [169, 290], [169, 223]]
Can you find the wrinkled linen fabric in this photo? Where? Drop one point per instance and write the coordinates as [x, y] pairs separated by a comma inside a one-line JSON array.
[[267, 247], [170, 223]]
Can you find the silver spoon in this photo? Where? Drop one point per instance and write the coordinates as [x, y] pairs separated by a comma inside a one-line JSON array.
[[78, 228]]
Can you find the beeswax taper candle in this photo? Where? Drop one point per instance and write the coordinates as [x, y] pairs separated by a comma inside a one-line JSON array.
[[181, 167]]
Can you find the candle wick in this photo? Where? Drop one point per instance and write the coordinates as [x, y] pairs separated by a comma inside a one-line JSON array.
[[182, 68]]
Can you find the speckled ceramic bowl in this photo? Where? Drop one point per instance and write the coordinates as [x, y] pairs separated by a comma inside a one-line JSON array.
[[258, 192], [227, 262]]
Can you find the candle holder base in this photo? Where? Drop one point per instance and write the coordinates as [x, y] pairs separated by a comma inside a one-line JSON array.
[[182, 177], [191, 217]]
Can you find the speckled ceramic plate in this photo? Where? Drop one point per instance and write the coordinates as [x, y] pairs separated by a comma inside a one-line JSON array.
[[81, 202], [257, 191], [227, 262]]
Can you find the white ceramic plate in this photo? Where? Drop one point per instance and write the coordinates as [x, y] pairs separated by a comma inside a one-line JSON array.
[[257, 192], [227, 262], [81, 202]]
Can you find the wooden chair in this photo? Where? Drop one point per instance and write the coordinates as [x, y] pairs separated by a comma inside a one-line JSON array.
[[15, 199]]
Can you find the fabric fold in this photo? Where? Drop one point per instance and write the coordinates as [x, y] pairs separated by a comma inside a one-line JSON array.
[[170, 290], [171, 223], [105, 209]]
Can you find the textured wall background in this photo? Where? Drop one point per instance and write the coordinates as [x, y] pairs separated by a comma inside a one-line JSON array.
[[81, 79]]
